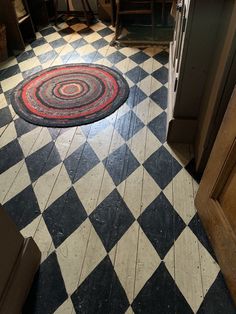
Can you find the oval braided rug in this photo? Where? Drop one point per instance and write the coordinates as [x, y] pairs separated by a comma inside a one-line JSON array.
[[69, 95]]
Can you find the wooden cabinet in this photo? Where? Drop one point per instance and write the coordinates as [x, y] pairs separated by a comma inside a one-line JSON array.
[[18, 31], [197, 23]]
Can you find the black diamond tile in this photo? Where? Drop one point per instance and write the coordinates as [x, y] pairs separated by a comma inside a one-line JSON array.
[[80, 162], [47, 31], [86, 31], [78, 43], [197, 228], [161, 75], [162, 57], [48, 290], [120, 164], [100, 43], [218, 299], [7, 95], [64, 216], [38, 42], [58, 43], [32, 71], [111, 219], [54, 132], [26, 55], [73, 21], [23, 127], [5, 116], [66, 31], [47, 56], [10, 71], [161, 295], [116, 57], [162, 166], [42, 161], [139, 57], [160, 97], [137, 74], [10, 155], [105, 32], [136, 95], [92, 57], [128, 125], [23, 208], [158, 126], [161, 224], [101, 292]]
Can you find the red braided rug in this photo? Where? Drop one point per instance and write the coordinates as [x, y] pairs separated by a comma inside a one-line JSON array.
[[69, 95]]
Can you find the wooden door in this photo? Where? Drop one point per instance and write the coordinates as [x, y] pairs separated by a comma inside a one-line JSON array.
[[216, 197]]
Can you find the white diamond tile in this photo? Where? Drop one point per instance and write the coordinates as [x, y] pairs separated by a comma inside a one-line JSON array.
[[188, 268], [29, 64], [138, 190], [125, 260], [62, 184], [3, 102], [71, 254], [66, 308], [42, 49], [183, 195], [27, 140], [8, 135], [78, 140], [43, 239], [147, 262], [42, 139], [146, 85], [30, 229], [105, 142], [21, 181], [7, 179], [93, 37], [143, 144], [51, 37], [209, 268], [100, 185], [63, 142], [44, 185], [86, 49], [95, 253], [11, 82]]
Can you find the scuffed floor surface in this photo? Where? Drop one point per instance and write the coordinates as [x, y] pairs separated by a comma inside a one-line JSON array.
[[110, 204]]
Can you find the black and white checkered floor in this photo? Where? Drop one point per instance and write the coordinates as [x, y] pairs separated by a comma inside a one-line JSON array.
[[110, 204]]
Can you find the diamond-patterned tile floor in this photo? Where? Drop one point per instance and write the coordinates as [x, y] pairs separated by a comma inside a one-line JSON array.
[[110, 204]]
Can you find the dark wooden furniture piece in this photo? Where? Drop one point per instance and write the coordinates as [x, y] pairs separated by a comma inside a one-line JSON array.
[[20, 259], [150, 25], [132, 8], [18, 31], [216, 197], [107, 10], [87, 10], [41, 12]]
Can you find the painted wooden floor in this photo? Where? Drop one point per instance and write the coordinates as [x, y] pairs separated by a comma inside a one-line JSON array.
[[110, 204]]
